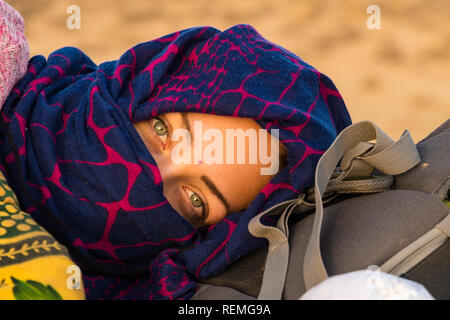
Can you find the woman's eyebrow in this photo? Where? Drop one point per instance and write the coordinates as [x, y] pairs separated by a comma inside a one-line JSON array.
[[216, 191], [184, 115]]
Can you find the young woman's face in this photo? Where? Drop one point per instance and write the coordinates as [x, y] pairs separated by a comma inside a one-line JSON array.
[[204, 193]]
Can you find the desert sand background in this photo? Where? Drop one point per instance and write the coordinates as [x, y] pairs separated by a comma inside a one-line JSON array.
[[398, 76]]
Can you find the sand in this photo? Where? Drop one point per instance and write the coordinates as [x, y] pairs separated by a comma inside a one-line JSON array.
[[397, 76]]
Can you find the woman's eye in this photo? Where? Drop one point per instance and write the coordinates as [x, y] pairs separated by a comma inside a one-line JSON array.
[[159, 127], [200, 214], [195, 199]]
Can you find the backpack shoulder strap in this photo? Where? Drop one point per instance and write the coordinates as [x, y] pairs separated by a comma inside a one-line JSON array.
[[433, 174], [389, 157], [385, 155], [418, 250]]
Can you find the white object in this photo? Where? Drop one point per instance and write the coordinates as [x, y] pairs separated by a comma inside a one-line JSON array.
[[367, 284]]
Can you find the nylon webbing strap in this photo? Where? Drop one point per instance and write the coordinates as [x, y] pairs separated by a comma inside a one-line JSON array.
[[418, 250], [386, 155], [278, 251]]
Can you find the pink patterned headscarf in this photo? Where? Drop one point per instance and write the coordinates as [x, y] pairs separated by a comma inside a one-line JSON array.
[[79, 167]]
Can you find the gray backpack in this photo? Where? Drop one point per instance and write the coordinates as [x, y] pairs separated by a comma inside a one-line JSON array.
[[386, 204]]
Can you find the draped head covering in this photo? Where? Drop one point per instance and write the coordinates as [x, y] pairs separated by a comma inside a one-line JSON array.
[[79, 167]]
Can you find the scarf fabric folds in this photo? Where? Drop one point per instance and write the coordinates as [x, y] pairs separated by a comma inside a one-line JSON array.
[[78, 166]]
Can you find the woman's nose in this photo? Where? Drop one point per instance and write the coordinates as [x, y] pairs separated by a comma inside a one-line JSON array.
[[171, 170]]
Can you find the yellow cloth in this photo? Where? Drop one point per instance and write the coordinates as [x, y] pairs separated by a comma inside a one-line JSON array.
[[33, 265]]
